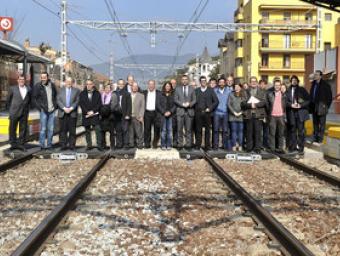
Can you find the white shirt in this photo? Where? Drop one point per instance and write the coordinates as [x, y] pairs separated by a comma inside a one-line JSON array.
[[151, 101], [203, 89], [129, 88], [221, 90], [23, 91], [293, 92]]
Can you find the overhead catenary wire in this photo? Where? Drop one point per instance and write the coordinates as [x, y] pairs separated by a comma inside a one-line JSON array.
[[74, 35], [113, 14], [194, 18]]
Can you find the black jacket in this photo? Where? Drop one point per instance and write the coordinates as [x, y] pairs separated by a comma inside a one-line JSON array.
[[125, 108], [302, 97], [260, 110], [87, 105], [323, 98], [40, 97], [208, 99], [15, 104], [165, 103]]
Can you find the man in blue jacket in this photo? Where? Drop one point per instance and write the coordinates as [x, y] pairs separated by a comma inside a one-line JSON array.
[[220, 119]]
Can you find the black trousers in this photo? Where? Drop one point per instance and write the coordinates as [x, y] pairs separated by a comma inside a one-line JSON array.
[[254, 138], [276, 132], [296, 133], [67, 134], [111, 130], [13, 123], [319, 125], [150, 119], [122, 133], [202, 119], [174, 132]]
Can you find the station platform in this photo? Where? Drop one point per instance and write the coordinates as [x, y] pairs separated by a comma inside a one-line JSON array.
[[33, 124]]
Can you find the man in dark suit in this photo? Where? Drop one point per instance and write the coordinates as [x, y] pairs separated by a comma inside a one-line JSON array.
[[297, 114], [185, 100], [67, 100], [253, 106], [45, 100], [90, 103], [18, 101], [151, 116], [122, 112], [321, 100], [206, 102]]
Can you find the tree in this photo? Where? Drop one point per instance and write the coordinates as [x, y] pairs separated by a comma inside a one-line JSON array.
[[43, 47], [214, 73]]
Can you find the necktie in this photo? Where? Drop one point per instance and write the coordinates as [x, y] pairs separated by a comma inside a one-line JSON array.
[[68, 92], [315, 89], [104, 98]]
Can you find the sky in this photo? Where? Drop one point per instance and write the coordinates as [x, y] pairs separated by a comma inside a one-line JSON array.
[[40, 25]]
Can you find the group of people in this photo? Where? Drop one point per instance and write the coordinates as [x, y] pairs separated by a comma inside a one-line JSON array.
[[245, 117]]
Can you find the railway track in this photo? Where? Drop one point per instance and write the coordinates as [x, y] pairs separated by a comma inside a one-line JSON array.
[[183, 208], [309, 207]]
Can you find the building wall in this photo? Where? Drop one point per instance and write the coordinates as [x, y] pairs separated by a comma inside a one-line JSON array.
[[252, 48]]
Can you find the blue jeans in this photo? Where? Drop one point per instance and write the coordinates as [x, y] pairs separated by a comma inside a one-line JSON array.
[[166, 133], [46, 126], [221, 121], [236, 133]]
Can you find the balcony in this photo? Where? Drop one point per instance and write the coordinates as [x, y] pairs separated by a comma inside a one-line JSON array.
[[294, 66], [239, 52], [239, 71], [238, 15], [302, 24], [280, 46], [238, 35]]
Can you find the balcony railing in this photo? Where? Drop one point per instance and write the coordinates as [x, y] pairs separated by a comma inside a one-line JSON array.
[[279, 65], [287, 22], [293, 45]]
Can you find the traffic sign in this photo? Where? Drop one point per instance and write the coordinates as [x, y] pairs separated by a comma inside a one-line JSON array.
[[6, 23]]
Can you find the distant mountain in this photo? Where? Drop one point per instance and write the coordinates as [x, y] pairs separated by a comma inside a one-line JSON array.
[[157, 74]]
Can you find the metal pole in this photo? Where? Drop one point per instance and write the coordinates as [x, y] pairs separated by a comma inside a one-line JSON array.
[[318, 30], [111, 67], [63, 49]]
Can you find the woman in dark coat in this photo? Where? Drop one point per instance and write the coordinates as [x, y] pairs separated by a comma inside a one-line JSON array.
[[236, 118], [166, 107], [90, 104], [107, 116]]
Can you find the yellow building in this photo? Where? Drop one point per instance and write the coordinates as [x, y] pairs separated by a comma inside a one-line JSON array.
[[268, 54]]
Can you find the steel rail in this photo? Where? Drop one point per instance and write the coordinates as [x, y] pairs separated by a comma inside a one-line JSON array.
[[39, 235], [290, 244], [333, 180]]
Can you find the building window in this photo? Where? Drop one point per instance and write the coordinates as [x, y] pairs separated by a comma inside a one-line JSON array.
[[264, 60], [308, 16], [238, 62], [286, 61], [287, 41], [239, 43], [328, 16], [265, 16], [309, 41], [265, 40], [327, 46], [285, 79], [287, 16]]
